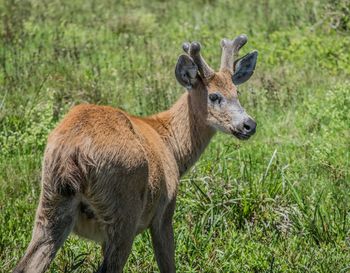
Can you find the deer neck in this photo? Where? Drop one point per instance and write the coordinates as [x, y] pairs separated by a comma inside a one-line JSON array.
[[183, 128]]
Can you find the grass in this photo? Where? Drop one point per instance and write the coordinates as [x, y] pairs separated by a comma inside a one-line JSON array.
[[277, 203]]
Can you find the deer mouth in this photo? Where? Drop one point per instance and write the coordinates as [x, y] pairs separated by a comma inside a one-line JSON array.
[[240, 135]]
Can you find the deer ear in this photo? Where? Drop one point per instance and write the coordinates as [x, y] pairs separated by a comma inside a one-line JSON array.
[[186, 71], [244, 68]]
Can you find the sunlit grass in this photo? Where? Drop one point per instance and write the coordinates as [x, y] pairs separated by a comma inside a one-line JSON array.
[[279, 202]]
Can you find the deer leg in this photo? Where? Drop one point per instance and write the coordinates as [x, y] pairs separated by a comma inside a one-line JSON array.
[[53, 223], [119, 219], [163, 240], [119, 204], [120, 232], [117, 247]]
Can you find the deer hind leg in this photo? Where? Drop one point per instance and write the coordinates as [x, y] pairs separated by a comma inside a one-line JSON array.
[[53, 223], [117, 247], [120, 226], [119, 210]]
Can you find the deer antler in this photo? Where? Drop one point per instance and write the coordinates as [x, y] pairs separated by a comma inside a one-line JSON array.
[[230, 49], [193, 50]]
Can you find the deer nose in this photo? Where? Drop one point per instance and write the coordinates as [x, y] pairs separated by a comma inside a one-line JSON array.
[[249, 127]]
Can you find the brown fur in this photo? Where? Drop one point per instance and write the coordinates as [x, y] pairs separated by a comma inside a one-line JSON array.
[[108, 175]]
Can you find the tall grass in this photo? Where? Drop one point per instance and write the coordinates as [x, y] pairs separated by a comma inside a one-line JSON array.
[[277, 203]]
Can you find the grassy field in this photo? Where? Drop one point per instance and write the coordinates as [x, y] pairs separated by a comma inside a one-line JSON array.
[[279, 202]]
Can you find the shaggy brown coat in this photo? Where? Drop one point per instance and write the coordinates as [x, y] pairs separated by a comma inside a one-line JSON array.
[[108, 175]]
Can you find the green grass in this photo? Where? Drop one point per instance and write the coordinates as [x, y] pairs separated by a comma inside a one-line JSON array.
[[279, 202]]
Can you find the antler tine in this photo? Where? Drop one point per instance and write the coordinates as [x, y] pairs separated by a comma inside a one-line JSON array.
[[186, 47], [230, 51], [203, 67]]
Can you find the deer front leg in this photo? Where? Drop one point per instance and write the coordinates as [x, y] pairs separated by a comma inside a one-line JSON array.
[[163, 240]]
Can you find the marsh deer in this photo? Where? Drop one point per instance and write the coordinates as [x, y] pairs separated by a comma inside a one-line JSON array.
[[108, 175]]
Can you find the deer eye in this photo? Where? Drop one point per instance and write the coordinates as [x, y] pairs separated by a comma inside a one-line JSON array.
[[215, 97]]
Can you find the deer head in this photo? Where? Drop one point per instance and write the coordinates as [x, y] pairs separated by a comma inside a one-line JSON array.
[[223, 111]]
